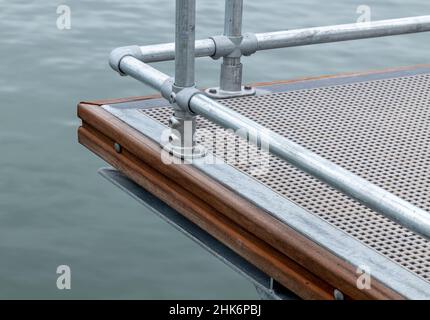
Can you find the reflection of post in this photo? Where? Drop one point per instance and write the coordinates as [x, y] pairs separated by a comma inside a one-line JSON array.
[[231, 68], [183, 121]]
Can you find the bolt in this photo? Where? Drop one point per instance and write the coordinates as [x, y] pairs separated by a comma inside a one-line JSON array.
[[213, 91], [172, 98], [248, 88], [173, 122], [117, 147], [338, 295], [173, 138]]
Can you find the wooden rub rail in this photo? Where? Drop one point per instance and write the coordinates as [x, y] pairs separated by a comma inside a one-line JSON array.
[[297, 260]]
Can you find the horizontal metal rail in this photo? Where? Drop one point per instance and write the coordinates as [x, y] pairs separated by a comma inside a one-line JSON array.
[[166, 51], [350, 184], [143, 72], [343, 32], [299, 37]]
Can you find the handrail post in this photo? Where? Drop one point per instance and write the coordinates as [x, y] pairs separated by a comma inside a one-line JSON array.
[[185, 43], [183, 121], [231, 68]]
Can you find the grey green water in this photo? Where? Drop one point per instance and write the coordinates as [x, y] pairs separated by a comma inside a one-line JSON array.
[[55, 209]]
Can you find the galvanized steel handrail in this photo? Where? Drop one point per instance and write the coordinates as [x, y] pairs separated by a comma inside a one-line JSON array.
[[126, 61], [343, 32], [300, 37], [358, 188]]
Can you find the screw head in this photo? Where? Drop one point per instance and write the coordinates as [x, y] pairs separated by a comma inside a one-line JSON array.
[[117, 147], [213, 91], [248, 88]]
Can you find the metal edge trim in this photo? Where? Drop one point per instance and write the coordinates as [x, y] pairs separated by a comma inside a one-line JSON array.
[[344, 80]]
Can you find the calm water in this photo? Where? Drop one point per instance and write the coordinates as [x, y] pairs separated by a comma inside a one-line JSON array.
[[55, 209]]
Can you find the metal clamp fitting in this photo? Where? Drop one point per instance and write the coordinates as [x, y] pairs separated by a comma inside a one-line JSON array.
[[234, 47], [249, 44], [223, 46], [119, 53], [167, 89], [237, 52], [183, 97]]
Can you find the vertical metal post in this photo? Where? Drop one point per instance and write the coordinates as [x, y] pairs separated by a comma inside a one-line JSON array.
[[183, 122], [233, 18], [185, 43], [231, 68]]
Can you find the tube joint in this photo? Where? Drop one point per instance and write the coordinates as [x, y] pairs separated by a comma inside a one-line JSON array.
[[119, 53], [234, 47], [180, 98]]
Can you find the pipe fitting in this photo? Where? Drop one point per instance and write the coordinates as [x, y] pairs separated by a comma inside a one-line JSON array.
[[249, 44], [119, 53], [237, 52], [223, 46], [234, 47], [167, 89], [183, 97]]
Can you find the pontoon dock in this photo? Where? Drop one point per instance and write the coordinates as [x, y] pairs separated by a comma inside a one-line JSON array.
[[341, 191]]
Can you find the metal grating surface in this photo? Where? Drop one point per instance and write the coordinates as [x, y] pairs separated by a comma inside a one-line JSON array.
[[376, 129]]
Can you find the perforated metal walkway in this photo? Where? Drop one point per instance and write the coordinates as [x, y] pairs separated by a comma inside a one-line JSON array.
[[376, 126]]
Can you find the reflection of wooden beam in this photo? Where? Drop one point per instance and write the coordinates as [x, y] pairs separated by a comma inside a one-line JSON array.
[[293, 260], [265, 286]]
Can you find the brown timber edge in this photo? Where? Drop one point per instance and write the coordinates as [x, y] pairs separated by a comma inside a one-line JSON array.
[[317, 271]]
